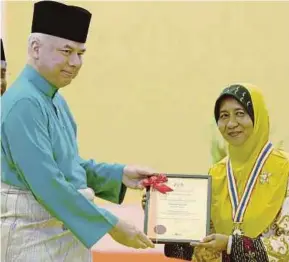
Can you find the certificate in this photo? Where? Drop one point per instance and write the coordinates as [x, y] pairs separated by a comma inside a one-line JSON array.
[[182, 215]]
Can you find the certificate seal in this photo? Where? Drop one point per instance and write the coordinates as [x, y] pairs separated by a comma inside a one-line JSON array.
[[160, 229]]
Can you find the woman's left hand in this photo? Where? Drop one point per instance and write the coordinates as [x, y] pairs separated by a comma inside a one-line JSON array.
[[217, 242]]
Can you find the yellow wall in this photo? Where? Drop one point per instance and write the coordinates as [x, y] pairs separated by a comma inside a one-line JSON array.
[[153, 69]]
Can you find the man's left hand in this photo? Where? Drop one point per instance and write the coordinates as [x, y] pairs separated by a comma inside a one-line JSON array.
[[133, 175], [217, 242]]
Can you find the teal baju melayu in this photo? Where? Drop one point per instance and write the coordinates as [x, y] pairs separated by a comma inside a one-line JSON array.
[[45, 216]]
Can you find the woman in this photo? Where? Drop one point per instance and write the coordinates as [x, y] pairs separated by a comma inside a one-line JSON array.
[[250, 195]]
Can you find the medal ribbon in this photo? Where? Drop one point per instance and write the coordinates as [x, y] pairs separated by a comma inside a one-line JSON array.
[[239, 208]]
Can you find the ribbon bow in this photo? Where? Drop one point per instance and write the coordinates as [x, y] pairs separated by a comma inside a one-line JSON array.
[[157, 182]]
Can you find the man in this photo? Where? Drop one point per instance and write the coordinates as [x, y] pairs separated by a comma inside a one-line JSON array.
[[47, 190], [3, 69]]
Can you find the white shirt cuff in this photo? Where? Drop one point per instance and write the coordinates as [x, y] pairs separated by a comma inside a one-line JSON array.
[[229, 245]]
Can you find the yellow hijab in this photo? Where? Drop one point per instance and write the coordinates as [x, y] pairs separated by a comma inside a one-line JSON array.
[[267, 198]]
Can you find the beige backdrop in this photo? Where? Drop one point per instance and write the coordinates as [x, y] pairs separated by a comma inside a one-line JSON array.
[[153, 70]]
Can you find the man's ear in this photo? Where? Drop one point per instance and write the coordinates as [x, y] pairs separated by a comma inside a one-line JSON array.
[[34, 47]]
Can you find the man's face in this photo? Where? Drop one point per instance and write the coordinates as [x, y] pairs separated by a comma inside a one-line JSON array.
[[60, 60], [3, 77]]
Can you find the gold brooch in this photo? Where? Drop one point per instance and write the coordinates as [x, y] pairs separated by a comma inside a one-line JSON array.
[[264, 178]]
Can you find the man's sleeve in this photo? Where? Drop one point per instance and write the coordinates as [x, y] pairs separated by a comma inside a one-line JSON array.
[[105, 179], [26, 131]]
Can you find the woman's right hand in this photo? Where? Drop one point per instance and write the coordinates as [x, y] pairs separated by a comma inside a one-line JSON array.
[[143, 200]]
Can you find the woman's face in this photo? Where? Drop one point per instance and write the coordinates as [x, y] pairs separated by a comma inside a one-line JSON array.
[[234, 122]]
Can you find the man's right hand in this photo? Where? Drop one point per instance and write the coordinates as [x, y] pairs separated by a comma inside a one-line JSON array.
[[128, 235]]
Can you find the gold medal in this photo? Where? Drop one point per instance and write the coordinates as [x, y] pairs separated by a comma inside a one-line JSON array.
[[239, 206], [237, 229]]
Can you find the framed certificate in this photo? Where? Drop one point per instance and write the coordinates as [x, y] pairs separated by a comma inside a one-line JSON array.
[[182, 215]]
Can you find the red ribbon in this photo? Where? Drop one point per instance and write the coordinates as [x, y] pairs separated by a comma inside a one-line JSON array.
[[157, 182]]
